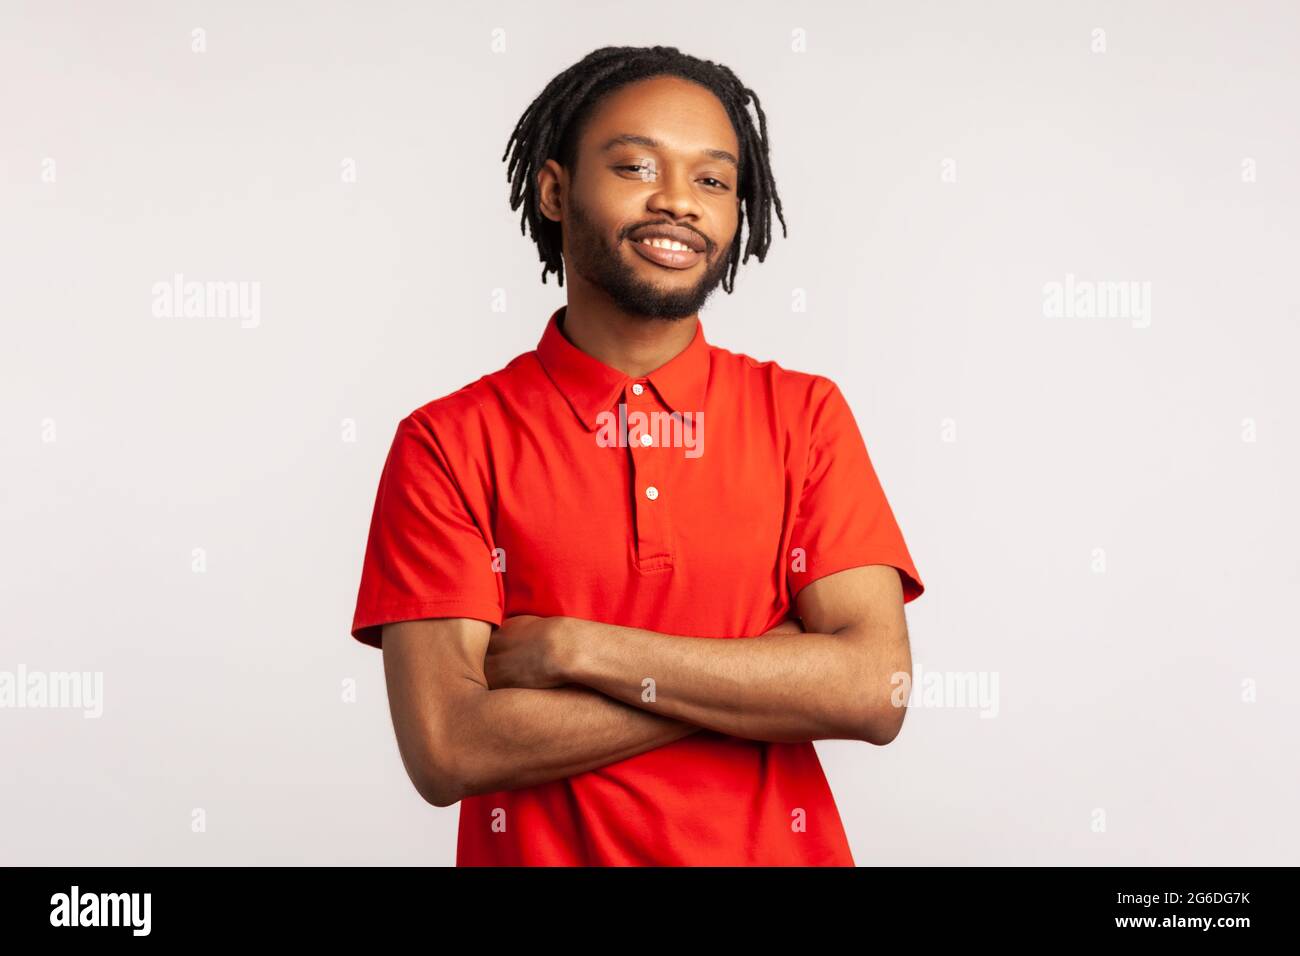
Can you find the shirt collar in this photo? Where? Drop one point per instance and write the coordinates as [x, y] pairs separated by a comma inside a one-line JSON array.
[[591, 387]]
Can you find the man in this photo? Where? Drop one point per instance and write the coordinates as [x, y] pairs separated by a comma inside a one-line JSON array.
[[565, 554]]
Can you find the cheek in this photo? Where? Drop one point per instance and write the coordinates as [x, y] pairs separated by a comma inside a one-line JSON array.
[[728, 223]]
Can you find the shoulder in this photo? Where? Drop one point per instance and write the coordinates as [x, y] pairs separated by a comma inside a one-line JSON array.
[[478, 404], [807, 407], [461, 427], [797, 392]]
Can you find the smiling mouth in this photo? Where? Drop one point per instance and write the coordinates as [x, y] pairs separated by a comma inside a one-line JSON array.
[[670, 255]]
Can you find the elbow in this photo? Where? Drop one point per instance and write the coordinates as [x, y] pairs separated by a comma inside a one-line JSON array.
[[440, 793], [881, 734], [447, 763], [439, 778], [882, 724], [440, 790], [886, 706]]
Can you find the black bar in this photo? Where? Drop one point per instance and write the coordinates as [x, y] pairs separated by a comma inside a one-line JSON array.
[[445, 905]]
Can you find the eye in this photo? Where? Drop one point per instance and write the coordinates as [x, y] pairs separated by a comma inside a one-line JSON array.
[[645, 172]]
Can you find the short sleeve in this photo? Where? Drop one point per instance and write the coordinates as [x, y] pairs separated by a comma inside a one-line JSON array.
[[426, 555], [843, 520]]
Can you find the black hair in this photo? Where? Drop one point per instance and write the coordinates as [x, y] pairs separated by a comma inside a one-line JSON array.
[[552, 124]]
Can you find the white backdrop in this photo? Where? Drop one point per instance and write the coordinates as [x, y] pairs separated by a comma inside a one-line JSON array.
[[1096, 502]]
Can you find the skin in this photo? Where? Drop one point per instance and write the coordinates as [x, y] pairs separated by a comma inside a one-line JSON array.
[[458, 736], [835, 681], [478, 709]]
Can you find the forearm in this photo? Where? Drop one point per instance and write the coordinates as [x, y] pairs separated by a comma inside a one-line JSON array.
[[772, 687], [512, 737]]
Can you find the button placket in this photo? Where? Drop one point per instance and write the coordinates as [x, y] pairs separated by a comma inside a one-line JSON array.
[[649, 489]]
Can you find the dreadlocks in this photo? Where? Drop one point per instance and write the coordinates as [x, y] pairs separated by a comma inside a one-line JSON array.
[[552, 124]]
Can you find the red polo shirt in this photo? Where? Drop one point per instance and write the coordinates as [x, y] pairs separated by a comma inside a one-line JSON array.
[[519, 494]]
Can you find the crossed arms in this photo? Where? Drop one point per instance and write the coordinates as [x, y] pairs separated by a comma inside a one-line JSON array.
[[477, 709]]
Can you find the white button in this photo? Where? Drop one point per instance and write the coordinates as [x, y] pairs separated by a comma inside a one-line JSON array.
[[645, 438], [652, 492], [638, 388]]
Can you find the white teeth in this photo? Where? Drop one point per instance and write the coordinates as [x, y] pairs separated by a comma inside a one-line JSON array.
[[666, 244]]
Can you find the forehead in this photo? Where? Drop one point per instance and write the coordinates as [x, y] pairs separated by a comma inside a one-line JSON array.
[[682, 115]]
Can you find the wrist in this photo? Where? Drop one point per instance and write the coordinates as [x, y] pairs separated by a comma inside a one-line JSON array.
[[566, 646]]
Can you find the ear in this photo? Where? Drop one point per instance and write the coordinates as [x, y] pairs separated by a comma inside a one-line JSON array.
[[552, 182]]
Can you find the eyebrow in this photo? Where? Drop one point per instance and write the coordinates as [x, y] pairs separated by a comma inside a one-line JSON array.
[[631, 139]]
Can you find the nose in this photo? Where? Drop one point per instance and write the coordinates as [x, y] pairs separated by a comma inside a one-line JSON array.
[[673, 197]]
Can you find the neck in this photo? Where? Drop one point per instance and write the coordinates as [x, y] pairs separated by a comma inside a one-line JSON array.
[[632, 345]]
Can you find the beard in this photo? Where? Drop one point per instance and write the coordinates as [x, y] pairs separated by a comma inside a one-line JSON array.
[[601, 265]]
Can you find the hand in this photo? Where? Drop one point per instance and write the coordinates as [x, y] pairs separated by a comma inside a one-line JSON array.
[[522, 653]]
